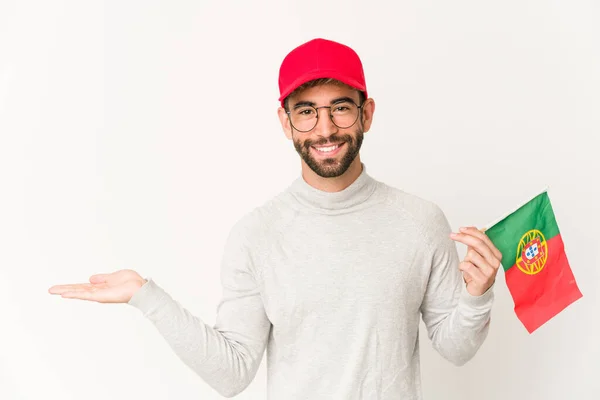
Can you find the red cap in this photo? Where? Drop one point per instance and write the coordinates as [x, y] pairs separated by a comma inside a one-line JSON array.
[[320, 58]]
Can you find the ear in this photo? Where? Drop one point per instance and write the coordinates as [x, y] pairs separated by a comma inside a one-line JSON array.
[[284, 118], [368, 109]]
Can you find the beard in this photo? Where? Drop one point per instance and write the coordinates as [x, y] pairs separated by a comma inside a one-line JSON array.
[[331, 167]]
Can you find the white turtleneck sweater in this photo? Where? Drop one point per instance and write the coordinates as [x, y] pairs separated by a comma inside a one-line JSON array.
[[333, 286]]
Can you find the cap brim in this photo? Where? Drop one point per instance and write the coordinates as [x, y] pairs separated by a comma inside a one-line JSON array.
[[309, 76]]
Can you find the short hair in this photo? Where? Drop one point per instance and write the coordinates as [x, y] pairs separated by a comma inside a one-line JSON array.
[[318, 82]]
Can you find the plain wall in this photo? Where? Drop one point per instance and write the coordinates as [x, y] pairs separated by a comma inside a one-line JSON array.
[[134, 134]]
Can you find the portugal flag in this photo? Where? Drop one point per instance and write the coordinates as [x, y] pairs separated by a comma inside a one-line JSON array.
[[538, 274]]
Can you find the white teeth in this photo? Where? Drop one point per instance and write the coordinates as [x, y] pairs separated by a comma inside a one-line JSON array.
[[327, 149]]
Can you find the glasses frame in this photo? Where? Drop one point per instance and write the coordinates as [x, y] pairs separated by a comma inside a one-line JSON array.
[[359, 107]]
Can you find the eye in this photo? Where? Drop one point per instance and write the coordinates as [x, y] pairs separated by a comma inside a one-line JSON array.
[[304, 111], [341, 108]]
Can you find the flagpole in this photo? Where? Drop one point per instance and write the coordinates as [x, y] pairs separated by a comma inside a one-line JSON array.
[[494, 222]]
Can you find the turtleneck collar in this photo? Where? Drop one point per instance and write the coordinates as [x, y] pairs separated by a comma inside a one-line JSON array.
[[318, 200]]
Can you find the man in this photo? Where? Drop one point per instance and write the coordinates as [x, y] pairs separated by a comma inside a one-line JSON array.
[[332, 275]]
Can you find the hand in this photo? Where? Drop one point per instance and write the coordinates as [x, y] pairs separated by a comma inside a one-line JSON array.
[[482, 261], [117, 287]]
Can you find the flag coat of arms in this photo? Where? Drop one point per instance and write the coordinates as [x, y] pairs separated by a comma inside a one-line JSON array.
[[537, 271]]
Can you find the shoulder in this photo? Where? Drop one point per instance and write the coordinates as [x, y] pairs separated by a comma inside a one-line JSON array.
[[426, 215], [250, 238], [260, 222]]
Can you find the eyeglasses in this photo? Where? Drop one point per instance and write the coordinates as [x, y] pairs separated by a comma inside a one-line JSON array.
[[343, 114]]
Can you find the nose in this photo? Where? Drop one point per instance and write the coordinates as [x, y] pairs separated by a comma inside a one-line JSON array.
[[325, 126]]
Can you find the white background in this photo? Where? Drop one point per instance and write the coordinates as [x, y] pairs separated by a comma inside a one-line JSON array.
[[135, 133]]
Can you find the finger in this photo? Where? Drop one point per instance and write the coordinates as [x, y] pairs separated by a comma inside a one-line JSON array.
[[478, 245], [476, 259], [80, 295], [83, 288], [59, 289], [481, 235], [470, 269]]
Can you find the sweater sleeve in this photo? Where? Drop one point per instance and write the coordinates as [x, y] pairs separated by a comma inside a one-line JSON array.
[[227, 355], [457, 322]]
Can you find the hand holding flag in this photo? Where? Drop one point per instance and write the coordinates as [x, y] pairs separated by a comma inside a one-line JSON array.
[[482, 261]]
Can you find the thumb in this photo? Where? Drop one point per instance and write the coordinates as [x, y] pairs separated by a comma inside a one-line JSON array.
[[98, 278]]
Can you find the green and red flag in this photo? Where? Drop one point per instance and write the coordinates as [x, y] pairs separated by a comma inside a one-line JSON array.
[[537, 271]]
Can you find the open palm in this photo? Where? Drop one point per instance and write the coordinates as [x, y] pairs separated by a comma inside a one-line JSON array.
[[116, 287]]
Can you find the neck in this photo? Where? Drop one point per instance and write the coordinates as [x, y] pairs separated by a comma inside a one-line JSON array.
[[353, 196], [336, 184]]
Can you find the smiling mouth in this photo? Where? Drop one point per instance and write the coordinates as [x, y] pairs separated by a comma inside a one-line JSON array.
[[327, 149]]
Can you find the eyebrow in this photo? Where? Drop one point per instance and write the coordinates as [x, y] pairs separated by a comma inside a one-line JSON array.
[[332, 102], [304, 104]]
